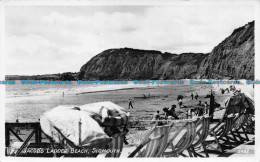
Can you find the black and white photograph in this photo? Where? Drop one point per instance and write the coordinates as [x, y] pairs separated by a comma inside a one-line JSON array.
[[130, 79]]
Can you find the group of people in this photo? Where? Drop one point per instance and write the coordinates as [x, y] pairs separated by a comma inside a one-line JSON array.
[[201, 109], [169, 114], [196, 96]]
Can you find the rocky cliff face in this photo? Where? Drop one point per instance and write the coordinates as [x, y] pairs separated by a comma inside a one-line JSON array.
[[129, 63], [231, 59]]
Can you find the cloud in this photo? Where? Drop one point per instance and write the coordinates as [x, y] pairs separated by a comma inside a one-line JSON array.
[[59, 39]]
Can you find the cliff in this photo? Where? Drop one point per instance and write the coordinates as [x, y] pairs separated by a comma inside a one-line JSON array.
[[127, 63], [233, 58]]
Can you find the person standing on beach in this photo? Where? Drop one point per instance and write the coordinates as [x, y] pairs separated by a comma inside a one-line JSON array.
[[17, 129], [200, 109], [206, 108], [180, 103], [196, 96], [130, 104], [222, 91], [191, 96]]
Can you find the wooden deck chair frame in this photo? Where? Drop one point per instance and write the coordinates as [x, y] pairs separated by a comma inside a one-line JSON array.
[[154, 146], [250, 123], [116, 145], [219, 132], [240, 124], [231, 137], [202, 134], [185, 142], [233, 134]]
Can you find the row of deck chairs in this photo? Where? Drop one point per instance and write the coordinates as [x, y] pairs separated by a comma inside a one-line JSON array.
[[194, 137]]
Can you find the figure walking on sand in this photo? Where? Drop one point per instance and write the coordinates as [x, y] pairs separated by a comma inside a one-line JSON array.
[[130, 104], [191, 96]]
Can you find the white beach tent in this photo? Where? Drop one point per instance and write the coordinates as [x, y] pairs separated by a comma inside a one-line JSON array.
[[239, 102], [81, 124], [107, 113]]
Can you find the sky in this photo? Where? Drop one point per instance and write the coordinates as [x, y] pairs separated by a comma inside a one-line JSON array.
[[57, 39]]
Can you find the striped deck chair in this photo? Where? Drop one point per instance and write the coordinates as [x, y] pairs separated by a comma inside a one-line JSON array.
[[239, 124], [250, 124], [230, 138], [202, 131], [219, 132], [154, 142], [116, 145], [181, 140]]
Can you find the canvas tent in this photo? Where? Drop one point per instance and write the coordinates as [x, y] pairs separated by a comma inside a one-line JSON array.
[[81, 125]]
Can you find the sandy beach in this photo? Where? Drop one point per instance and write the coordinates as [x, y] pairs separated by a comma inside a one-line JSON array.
[[28, 108]]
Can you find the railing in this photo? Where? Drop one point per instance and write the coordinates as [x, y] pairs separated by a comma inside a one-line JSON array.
[[36, 132]]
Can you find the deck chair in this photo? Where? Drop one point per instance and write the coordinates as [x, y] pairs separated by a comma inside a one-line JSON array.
[[181, 140], [154, 142], [116, 145], [239, 129], [202, 131], [231, 138], [249, 125], [219, 133]]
